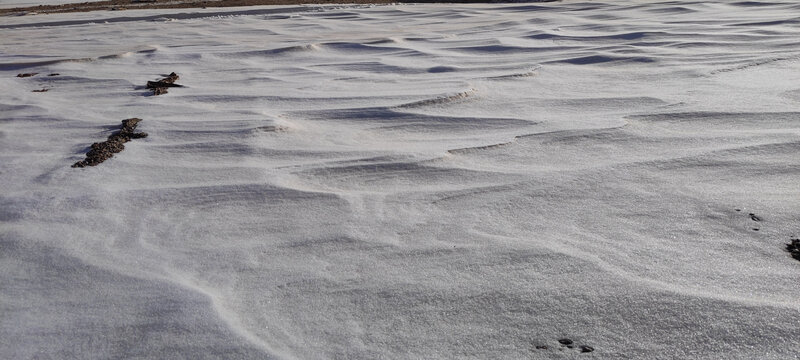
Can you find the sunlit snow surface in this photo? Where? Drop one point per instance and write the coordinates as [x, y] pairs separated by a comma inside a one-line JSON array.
[[420, 181]]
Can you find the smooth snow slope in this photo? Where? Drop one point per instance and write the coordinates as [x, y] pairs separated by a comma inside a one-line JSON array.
[[417, 181]]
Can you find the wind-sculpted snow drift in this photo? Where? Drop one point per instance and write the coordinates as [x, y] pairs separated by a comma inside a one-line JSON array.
[[411, 181]]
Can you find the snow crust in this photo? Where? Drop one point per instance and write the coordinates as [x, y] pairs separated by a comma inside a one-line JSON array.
[[415, 181]]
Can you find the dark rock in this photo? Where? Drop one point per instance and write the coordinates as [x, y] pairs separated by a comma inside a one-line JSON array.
[[161, 84], [100, 152], [171, 78], [586, 349], [159, 91], [26, 75], [793, 247], [273, 128], [160, 87], [565, 341]]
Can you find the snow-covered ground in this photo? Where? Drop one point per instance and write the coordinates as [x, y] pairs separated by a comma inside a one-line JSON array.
[[416, 181]]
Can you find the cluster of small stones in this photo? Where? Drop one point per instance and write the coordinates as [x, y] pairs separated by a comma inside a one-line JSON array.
[[25, 75], [103, 150], [160, 87], [753, 217], [569, 344]]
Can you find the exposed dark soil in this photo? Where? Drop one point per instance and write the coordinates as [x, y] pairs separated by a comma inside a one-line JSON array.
[[102, 151], [182, 4], [164, 4]]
